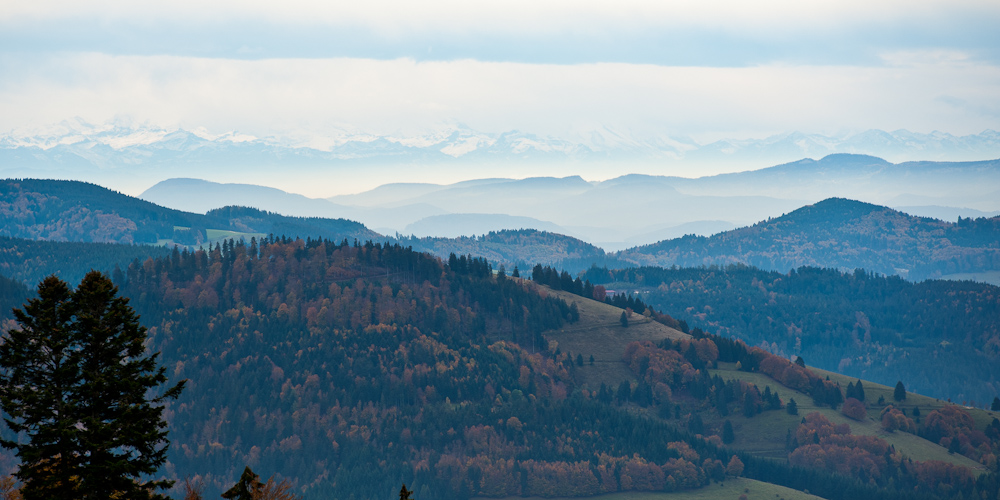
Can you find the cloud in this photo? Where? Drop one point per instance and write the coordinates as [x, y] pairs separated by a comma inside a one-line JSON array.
[[311, 98], [702, 33]]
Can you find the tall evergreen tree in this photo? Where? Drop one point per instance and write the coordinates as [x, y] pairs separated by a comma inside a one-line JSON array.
[[791, 407], [404, 494], [727, 432], [39, 372], [94, 430], [899, 393], [124, 436], [245, 489]]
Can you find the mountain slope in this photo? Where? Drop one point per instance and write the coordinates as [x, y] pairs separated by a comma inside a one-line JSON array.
[[878, 328], [842, 234], [972, 184], [523, 248], [78, 211], [195, 195], [350, 369]]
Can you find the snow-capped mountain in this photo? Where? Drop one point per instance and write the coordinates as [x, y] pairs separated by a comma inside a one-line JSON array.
[[132, 157], [125, 143]]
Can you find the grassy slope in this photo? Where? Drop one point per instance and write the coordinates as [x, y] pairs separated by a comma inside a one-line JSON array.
[[600, 334], [766, 436], [731, 489]]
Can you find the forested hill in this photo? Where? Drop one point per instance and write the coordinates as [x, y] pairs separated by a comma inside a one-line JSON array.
[[843, 234], [82, 212], [942, 337], [523, 248], [30, 261], [351, 368], [78, 212]]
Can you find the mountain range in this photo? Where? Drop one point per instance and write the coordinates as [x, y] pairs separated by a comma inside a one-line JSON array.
[[131, 157], [626, 211], [835, 233], [351, 367]]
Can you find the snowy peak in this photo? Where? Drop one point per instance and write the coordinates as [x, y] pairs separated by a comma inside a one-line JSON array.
[[124, 143]]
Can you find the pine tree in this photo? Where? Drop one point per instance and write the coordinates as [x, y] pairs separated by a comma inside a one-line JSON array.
[[727, 432], [996, 404], [792, 407], [244, 489], [404, 494], [899, 393], [124, 433], [39, 373], [91, 428], [623, 320]]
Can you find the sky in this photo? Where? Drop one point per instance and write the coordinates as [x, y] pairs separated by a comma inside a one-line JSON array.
[[305, 70]]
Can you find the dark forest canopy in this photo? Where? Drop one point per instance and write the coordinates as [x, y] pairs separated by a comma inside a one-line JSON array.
[[29, 261]]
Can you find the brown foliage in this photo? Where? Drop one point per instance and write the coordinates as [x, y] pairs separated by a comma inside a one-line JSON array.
[[834, 448], [855, 409], [893, 420], [192, 489], [952, 423], [735, 467], [275, 490], [9, 489]]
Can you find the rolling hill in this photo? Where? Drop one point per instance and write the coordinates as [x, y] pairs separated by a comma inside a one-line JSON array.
[[78, 211], [842, 234], [352, 368]]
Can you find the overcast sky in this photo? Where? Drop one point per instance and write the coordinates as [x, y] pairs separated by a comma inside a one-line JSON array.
[[703, 69]]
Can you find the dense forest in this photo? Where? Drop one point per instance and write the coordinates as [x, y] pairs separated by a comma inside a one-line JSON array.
[[841, 234], [29, 261], [881, 328], [521, 248], [351, 368]]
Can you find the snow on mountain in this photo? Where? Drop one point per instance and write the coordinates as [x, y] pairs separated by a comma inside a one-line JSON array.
[[122, 143]]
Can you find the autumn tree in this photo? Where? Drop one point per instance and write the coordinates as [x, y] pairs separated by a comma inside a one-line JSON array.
[[192, 489], [9, 489], [735, 467], [854, 409]]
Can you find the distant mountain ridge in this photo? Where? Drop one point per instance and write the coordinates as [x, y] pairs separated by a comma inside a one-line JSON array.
[[836, 232], [79, 211], [843, 234]]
